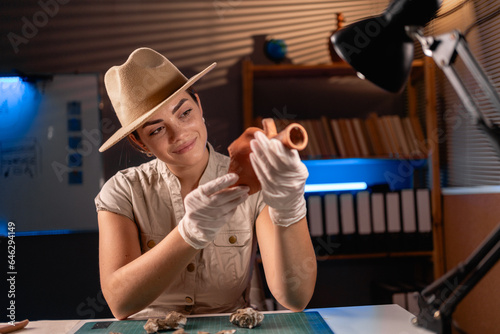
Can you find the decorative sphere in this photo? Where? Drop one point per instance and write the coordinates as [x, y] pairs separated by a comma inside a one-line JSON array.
[[275, 49]]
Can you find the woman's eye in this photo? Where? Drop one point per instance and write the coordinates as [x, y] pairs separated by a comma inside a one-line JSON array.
[[186, 113], [156, 131]]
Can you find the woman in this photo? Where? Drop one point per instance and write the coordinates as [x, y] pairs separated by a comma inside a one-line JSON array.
[[174, 233]]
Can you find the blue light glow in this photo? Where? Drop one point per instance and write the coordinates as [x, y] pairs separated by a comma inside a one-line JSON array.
[[46, 232], [324, 187], [4, 232], [395, 173], [19, 101], [10, 80]]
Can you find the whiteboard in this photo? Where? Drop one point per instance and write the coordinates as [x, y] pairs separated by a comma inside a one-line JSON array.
[[51, 169]]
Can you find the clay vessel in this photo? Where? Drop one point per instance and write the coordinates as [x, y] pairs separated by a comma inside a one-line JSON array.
[[294, 136]]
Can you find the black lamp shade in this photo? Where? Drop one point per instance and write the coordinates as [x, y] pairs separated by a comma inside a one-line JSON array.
[[379, 47]]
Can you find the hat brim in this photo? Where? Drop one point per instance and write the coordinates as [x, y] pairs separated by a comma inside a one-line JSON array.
[[126, 130]]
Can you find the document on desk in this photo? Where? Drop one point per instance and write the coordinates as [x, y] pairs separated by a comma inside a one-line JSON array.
[[273, 323]]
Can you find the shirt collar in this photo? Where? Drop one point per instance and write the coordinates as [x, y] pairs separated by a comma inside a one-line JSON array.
[[211, 170]]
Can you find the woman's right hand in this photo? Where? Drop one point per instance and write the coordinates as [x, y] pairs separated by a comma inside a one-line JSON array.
[[208, 208]]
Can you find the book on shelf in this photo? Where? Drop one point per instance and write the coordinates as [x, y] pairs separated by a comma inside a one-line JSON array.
[[359, 131], [332, 226], [344, 133], [408, 213], [399, 298], [351, 135], [390, 135], [378, 212], [393, 212], [339, 139], [314, 149], [397, 291], [384, 136], [373, 221], [315, 215], [374, 136], [327, 132], [412, 302], [348, 222], [363, 213], [321, 138], [400, 135]]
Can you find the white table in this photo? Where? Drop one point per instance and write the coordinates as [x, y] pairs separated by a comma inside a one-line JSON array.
[[379, 319]]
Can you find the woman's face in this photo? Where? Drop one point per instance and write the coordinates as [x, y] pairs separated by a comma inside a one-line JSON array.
[[176, 134]]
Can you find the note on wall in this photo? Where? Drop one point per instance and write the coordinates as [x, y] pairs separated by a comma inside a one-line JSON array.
[[50, 166]]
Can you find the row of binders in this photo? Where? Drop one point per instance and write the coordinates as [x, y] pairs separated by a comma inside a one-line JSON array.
[[365, 214], [397, 292], [375, 136]]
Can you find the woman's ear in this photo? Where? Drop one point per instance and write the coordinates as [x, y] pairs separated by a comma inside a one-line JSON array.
[[137, 142], [139, 145], [199, 103]]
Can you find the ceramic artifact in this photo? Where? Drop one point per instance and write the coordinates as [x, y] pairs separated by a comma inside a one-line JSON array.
[[294, 136]]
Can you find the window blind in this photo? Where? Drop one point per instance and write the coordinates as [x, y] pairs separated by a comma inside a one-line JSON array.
[[468, 157], [91, 35]]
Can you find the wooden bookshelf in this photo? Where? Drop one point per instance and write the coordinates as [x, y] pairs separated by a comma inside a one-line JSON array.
[[251, 71], [371, 137], [422, 71], [375, 255], [364, 256]]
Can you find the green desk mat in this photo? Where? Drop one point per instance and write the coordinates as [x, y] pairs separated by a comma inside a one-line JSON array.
[[273, 323]]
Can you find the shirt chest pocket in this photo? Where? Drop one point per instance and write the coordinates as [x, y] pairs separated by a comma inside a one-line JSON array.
[[233, 238]]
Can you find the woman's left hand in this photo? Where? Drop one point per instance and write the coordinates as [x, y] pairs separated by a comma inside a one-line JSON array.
[[282, 176]]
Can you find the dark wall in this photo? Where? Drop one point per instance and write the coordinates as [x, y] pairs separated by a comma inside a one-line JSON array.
[[57, 277]]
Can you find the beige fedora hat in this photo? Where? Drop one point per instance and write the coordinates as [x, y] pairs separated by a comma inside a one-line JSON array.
[[141, 86]]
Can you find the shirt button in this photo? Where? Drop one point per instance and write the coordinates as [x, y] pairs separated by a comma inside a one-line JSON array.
[[190, 267], [151, 243], [232, 239], [189, 300], [188, 308]]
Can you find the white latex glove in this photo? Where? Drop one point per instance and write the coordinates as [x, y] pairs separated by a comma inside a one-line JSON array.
[[208, 208], [282, 176]]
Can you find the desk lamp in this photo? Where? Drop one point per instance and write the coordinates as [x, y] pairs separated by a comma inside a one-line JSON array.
[[381, 49]]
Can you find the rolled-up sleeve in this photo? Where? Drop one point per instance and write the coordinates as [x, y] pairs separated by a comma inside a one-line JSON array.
[[115, 196]]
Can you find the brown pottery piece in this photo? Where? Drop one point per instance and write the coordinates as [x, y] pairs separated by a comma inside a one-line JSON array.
[[294, 136]]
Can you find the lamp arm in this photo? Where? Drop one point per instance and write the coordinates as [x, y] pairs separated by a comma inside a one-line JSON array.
[[438, 301], [460, 272], [444, 49], [474, 269]]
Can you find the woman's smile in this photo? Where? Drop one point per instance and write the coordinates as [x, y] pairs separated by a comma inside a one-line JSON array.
[[186, 147]]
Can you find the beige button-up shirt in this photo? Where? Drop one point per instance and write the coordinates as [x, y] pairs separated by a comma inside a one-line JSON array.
[[218, 278]]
